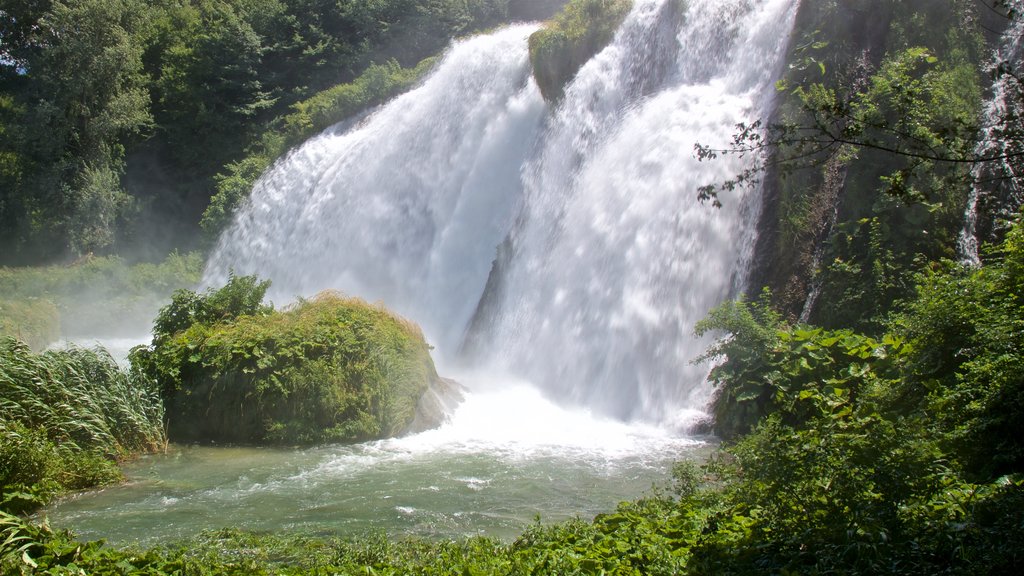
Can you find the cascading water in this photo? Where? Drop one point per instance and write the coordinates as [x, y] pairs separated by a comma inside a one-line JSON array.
[[1002, 181], [607, 261], [407, 206], [612, 260]]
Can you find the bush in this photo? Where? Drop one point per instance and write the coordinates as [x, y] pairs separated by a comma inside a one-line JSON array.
[[576, 34], [329, 369], [965, 330]]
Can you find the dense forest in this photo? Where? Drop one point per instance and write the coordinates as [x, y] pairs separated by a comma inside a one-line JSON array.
[[868, 386]]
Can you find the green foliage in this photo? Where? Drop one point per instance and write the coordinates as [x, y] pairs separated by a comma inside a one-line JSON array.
[[82, 97], [241, 296], [965, 328], [330, 369], [117, 114], [869, 155], [579, 31], [66, 417], [864, 456]]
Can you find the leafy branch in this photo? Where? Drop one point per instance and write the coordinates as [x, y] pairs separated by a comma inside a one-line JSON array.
[[914, 109]]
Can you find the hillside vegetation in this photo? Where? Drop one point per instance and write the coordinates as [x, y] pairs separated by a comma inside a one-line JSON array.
[[118, 118]]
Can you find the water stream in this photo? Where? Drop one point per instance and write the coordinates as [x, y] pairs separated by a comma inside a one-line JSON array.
[[507, 457]]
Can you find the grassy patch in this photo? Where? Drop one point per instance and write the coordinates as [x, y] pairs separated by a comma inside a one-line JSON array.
[[34, 321], [95, 296]]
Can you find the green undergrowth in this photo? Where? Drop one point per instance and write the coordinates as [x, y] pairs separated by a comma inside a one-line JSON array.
[[66, 418], [898, 454], [93, 296], [327, 369], [572, 37], [309, 117]]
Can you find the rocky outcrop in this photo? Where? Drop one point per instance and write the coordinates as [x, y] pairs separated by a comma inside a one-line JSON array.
[[572, 37]]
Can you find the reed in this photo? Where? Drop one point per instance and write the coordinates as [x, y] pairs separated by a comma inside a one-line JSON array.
[[66, 418]]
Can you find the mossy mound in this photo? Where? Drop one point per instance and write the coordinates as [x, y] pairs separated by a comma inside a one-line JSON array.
[[328, 369], [575, 35]]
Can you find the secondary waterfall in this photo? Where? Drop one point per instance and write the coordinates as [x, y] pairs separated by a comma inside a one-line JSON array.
[[1000, 183], [608, 259]]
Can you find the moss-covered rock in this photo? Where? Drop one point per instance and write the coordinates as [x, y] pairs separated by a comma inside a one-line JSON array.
[[575, 35], [328, 369]]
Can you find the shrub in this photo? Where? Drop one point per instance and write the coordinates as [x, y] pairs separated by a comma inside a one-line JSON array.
[[328, 369]]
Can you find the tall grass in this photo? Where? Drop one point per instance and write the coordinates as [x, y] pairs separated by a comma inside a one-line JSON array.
[[66, 418], [80, 396]]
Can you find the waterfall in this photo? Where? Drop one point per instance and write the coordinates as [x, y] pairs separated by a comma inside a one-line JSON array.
[[613, 260], [1001, 183], [608, 260], [406, 206]]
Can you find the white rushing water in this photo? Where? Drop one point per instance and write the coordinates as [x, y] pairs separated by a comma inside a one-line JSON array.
[[612, 258], [407, 206], [988, 177]]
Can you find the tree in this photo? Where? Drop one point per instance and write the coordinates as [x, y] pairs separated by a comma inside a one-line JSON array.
[[81, 93]]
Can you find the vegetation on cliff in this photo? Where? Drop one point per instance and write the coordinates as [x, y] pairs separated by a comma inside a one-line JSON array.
[[309, 117], [870, 159], [327, 369], [573, 36]]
